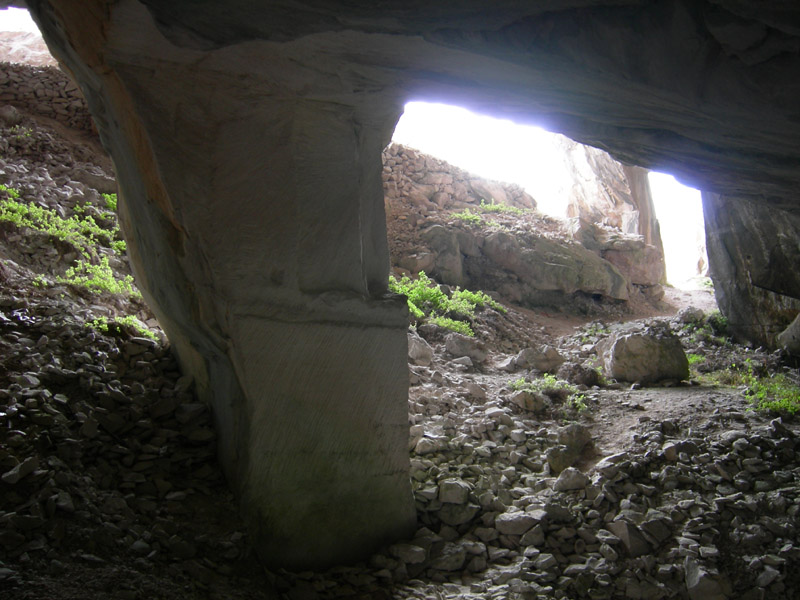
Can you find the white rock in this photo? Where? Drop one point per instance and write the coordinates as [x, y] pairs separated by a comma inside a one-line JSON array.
[[570, 479], [419, 351]]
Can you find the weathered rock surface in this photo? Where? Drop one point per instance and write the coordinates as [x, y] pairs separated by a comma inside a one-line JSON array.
[[609, 193], [753, 257]]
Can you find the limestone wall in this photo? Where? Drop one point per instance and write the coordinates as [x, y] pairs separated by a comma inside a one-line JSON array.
[[46, 91]]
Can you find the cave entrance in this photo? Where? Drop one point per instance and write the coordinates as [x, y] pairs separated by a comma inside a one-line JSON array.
[[567, 179]]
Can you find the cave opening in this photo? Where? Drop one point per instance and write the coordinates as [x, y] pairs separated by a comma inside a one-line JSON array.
[[560, 174]]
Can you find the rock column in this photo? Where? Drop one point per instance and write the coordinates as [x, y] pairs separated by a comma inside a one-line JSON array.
[[251, 199]]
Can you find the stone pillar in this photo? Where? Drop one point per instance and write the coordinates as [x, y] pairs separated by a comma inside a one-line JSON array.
[[251, 200]]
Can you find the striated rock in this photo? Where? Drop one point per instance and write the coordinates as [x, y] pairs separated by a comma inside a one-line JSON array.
[[752, 256], [549, 270]]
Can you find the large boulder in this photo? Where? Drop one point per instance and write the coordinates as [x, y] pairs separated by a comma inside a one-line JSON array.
[[645, 356], [546, 271]]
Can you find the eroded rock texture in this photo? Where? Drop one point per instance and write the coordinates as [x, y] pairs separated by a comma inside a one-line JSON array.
[[754, 254], [247, 138]]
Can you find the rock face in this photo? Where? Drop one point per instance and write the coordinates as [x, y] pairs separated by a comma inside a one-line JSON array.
[[607, 192], [753, 255], [247, 144]]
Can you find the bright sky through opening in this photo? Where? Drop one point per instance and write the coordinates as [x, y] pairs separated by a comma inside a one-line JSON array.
[[17, 19], [534, 158]]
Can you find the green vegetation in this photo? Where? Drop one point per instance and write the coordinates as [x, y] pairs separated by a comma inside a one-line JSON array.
[[81, 232], [98, 278], [92, 270], [712, 329], [718, 323], [461, 327], [426, 299], [552, 386], [593, 331], [468, 217], [500, 208], [117, 324], [775, 392], [19, 132], [473, 218], [695, 359], [111, 201]]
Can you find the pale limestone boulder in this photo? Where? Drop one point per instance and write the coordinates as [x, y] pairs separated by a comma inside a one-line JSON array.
[[546, 359], [460, 345], [789, 338], [645, 356], [419, 351]]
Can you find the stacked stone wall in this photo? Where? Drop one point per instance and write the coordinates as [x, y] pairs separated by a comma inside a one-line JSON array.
[[46, 91], [432, 184]]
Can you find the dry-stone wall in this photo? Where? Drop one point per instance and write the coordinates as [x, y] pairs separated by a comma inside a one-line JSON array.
[[433, 184], [46, 91]]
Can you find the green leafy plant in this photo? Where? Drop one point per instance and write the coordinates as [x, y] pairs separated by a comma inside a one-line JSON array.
[[578, 402], [695, 359], [770, 392], [81, 232], [500, 208], [426, 299], [19, 132], [766, 391], [718, 323], [99, 278], [458, 326], [593, 331], [111, 201], [9, 191], [468, 217], [551, 386], [117, 324]]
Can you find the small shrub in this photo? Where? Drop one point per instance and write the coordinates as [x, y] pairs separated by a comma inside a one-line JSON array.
[[103, 325], [426, 299], [468, 217], [695, 359], [83, 233], [458, 326], [718, 323], [500, 208], [551, 386], [111, 201], [98, 278]]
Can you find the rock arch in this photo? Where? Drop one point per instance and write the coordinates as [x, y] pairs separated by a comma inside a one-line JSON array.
[[247, 139]]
